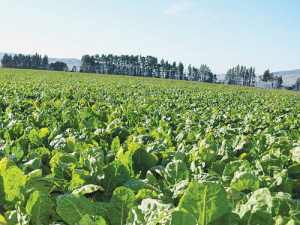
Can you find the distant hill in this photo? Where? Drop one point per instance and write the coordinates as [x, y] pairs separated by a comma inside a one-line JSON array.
[[289, 77], [69, 61]]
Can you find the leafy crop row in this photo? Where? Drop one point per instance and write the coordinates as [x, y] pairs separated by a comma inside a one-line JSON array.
[[96, 149]]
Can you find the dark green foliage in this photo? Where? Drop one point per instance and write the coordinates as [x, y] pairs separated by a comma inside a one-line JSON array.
[[102, 149]]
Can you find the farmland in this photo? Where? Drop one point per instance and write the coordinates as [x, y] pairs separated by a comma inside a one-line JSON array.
[[103, 149]]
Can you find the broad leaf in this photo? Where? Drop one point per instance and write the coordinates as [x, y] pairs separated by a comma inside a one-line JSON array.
[[181, 217], [150, 211], [14, 185], [121, 202], [92, 220], [175, 172], [39, 207], [205, 201], [256, 207], [244, 181], [71, 209]]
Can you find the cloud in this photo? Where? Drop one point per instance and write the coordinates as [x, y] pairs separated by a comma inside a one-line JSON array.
[[178, 6]]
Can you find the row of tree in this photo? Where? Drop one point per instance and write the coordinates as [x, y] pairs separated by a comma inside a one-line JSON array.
[[36, 61], [274, 81], [240, 75], [142, 66], [147, 66], [25, 61]]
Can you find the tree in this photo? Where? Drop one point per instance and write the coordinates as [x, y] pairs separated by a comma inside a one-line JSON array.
[[297, 84], [7, 61], [240, 75], [279, 82], [45, 62], [36, 61], [85, 64], [180, 70], [267, 76], [58, 66], [73, 69]]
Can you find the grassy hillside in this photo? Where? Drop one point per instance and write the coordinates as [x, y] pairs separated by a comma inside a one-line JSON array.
[[130, 150]]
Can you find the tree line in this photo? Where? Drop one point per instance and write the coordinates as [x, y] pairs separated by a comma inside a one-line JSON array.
[[241, 75], [148, 66], [143, 66], [36, 61], [274, 81]]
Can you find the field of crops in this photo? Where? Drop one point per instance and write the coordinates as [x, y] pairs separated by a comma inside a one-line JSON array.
[[103, 149]]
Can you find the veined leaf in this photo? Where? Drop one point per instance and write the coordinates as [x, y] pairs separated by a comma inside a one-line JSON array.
[[14, 185], [205, 201], [256, 207], [92, 220], [39, 207], [71, 209], [244, 180], [121, 202], [149, 212], [175, 172], [181, 217]]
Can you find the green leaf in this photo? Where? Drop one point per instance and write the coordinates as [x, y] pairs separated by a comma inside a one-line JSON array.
[[87, 189], [5, 163], [121, 202], [150, 211], [244, 181], [18, 216], [101, 208], [86, 113], [181, 217], [137, 159], [92, 220], [175, 172], [283, 204], [295, 154], [115, 145], [294, 169], [62, 165], [136, 217], [17, 151], [279, 220], [2, 220], [207, 155], [281, 182], [218, 167], [178, 189], [231, 168], [43, 132], [145, 193], [34, 138], [43, 153], [91, 159], [206, 201], [14, 185], [79, 178], [115, 174], [256, 207], [71, 209], [39, 207]]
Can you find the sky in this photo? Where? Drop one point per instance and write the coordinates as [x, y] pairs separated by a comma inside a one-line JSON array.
[[220, 33]]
